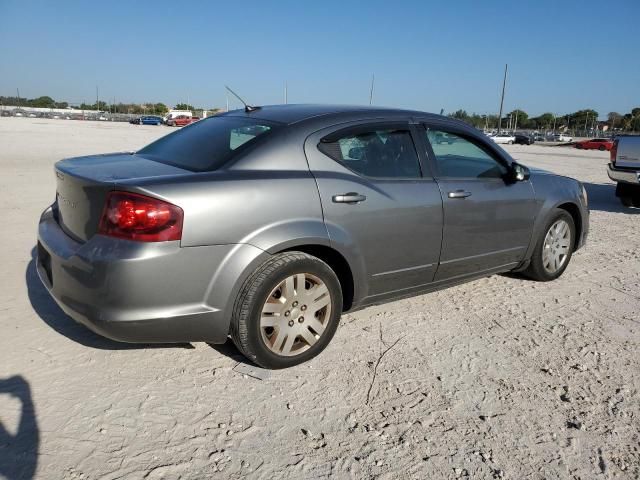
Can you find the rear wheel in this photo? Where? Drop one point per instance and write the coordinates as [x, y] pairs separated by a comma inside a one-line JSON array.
[[553, 249], [579, 146], [602, 148], [287, 311], [628, 194]]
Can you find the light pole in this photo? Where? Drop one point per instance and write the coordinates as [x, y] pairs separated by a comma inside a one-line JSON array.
[[504, 83], [373, 79]]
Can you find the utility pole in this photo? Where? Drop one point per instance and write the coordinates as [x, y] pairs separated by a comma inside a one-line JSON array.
[[504, 83], [373, 79], [97, 103], [585, 122], [285, 93], [515, 125], [18, 92], [227, 102]]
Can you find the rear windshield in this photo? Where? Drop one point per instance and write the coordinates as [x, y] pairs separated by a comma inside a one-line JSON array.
[[208, 144]]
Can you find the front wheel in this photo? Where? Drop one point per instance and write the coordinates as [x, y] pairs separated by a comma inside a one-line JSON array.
[[287, 311], [554, 248], [602, 148], [510, 142]]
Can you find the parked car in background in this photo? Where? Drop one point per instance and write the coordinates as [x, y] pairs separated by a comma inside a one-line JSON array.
[[147, 120], [504, 138], [562, 137], [266, 224], [524, 139], [181, 121], [624, 169], [171, 114], [601, 144], [539, 137]]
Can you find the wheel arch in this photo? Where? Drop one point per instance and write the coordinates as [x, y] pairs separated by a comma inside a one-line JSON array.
[[338, 264], [573, 210]]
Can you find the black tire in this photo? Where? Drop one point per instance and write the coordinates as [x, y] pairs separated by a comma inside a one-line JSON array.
[[245, 323], [628, 194], [602, 148], [627, 201], [578, 146], [536, 270]]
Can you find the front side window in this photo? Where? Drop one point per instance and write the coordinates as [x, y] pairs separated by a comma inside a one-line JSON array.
[[206, 145], [376, 153], [458, 157]]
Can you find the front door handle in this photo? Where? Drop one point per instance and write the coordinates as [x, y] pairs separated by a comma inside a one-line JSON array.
[[459, 194], [351, 197]]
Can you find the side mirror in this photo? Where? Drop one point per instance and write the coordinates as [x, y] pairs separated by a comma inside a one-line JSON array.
[[519, 173], [356, 153]]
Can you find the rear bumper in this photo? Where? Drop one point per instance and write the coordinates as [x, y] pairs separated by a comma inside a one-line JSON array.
[[140, 292], [623, 176]]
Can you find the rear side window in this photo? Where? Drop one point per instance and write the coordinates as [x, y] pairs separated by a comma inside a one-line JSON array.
[[208, 144], [457, 157], [376, 153]]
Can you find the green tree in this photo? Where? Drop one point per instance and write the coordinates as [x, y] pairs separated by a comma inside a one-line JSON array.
[[184, 106], [544, 121], [42, 102], [520, 118], [160, 108]]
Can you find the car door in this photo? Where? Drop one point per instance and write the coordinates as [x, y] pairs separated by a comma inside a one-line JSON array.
[[379, 203], [488, 219]]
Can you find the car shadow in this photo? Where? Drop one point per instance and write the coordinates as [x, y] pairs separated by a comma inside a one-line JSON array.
[[229, 350], [49, 311], [19, 451], [602, 197]]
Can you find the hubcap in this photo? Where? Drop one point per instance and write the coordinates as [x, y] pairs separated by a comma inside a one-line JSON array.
[[556, 246], [304, 297]]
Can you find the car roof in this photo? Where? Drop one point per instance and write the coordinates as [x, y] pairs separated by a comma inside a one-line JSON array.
[[292, 113]]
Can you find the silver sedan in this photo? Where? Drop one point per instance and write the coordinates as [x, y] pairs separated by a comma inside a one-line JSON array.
[[265, 224]]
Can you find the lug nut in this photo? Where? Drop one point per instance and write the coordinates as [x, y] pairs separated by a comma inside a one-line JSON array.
[[303, 308], [287, 313], [295, 304], [291, 323], [301, 319]]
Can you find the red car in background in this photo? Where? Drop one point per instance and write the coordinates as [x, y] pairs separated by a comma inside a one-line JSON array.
[[601, 144], [181, 121]]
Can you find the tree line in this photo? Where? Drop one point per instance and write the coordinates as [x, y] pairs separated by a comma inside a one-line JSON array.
[[134, 108], [581, 120]]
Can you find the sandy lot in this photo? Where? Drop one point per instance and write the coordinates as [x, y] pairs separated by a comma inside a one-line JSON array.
[[498, 378]]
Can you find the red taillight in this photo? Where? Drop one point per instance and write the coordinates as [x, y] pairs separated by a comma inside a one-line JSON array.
[[141, 218], [614, 151]]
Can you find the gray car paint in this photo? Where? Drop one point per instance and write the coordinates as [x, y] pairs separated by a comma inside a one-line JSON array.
[[277, 197]]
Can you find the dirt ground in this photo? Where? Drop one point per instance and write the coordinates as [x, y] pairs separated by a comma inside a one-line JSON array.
[[498, 378]]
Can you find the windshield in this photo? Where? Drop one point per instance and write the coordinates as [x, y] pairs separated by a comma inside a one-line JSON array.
[[208, 144]]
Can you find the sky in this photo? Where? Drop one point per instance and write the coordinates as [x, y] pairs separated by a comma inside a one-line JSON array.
[[425, 55]]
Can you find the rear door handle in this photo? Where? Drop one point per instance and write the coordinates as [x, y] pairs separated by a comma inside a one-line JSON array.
[[351, 197], [459, 194]]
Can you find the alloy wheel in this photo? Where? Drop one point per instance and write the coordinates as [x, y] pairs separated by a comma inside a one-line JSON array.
[[295, 314], [556, 247]]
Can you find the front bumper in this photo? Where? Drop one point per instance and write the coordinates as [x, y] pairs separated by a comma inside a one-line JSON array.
[[623, 175], [139, 292]]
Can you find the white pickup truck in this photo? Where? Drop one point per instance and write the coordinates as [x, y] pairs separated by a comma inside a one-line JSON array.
[[625, 169]]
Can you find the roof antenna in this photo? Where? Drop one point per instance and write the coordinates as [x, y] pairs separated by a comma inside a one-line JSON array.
[[247, 108]]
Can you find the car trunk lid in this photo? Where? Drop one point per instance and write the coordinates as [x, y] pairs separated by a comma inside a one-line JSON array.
[[82, 185]]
